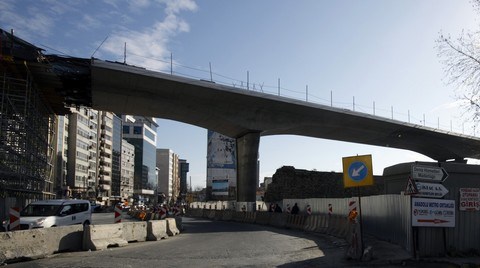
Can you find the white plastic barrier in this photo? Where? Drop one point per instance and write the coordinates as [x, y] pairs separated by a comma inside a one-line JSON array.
[[38, 243], [172, 227], [100, 237], [135, 231], [156, 230]]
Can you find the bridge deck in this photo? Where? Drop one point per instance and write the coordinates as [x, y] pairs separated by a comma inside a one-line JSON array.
[[235, 112]]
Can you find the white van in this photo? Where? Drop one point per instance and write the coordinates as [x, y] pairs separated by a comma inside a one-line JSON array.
[[55, 212]]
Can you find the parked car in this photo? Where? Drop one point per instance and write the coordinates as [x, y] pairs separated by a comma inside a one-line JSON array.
[[56, 212]]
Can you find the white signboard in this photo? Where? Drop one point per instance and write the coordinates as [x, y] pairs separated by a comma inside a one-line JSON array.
[[428, 173], [469, 199], [434, 190], [428, 212]]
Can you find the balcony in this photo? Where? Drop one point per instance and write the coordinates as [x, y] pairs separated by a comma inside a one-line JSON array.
[[105, 181], [105, 187]]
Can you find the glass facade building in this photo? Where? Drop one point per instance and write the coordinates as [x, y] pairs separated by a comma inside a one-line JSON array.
[[140, 131]]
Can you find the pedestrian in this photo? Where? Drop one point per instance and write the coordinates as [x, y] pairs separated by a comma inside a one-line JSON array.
[[295, 209], [278, 208]]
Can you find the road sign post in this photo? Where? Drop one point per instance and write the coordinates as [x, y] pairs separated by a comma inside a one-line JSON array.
[[357, 171], [411, 187], [427, 212], [433, 190], [428, 173]]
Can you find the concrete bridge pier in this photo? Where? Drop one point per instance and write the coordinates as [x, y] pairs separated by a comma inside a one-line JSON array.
[[247, 166]]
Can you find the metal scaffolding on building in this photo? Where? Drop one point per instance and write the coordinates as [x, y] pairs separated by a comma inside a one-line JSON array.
[[27, 137], [34, 89]]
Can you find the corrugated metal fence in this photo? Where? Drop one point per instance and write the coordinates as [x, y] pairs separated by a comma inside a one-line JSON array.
[[384, 216], [389, 218]]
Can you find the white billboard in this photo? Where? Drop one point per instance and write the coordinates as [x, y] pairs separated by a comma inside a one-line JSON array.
[[221, 163]]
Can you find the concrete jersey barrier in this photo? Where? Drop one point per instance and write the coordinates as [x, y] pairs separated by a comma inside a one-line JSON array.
[[172, 227], [156, 230], [100, 237], [134, 231], [38, 243]]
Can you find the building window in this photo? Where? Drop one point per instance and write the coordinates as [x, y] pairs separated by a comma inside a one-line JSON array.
[[149, 134], [126, 129], [137, 130]]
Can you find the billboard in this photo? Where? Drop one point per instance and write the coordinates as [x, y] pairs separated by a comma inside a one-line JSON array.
[[221, 163], [221, 151]]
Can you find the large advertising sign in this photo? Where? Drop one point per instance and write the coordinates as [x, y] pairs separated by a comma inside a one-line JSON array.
[[428, 212], [221, 151], [221, 163]]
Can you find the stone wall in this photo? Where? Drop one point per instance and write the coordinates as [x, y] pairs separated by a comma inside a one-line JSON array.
[[291, 183]]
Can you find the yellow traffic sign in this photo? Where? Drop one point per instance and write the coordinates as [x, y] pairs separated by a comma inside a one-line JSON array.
[[357, 171]]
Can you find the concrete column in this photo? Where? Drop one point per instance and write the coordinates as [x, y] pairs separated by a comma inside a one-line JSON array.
[[247, 166]]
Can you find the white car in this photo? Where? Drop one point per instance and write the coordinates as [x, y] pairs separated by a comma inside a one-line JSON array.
[[55, 212]]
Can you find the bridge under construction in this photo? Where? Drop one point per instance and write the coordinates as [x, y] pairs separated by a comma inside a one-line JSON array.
[[37, 87]]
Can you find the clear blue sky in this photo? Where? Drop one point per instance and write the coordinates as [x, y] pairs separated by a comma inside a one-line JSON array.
[[380, 52]]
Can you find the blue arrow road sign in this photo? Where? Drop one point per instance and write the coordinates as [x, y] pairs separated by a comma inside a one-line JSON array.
[[357, 171]]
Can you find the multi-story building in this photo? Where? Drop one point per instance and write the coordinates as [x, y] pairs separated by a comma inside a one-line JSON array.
[[82, 166], [221, 167], [184, 168], [61, 188], [141, 132], [116, 157], [127, 171], [168, 174], [105, 152]]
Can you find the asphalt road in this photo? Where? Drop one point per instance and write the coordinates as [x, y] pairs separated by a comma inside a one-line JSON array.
[[206, 243]]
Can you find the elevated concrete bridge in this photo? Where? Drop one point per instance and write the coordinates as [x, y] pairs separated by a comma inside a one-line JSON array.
[[247, 115]]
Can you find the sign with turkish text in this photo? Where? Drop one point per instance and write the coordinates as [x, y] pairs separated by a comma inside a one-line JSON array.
[[426, 189], [429, 173], [428, 212], [469, 199], [357, 171]]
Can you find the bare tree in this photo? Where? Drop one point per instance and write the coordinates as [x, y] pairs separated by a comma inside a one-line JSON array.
[[461, 57]]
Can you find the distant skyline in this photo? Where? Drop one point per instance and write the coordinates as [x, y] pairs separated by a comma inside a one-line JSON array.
[[372, 56]]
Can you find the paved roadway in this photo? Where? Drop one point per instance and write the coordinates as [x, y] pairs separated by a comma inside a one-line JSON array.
[[206, 243]]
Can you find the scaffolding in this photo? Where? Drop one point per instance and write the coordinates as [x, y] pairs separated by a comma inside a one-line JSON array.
[[34, 89], [27, 138]]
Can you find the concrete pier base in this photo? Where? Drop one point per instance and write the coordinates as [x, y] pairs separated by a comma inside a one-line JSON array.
[[247, 166]]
